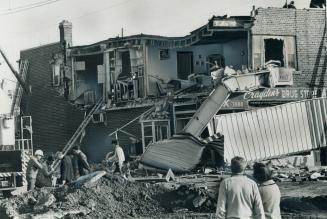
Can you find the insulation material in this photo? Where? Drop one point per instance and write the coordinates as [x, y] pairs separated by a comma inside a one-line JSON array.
[[181, 153], [271, 132]]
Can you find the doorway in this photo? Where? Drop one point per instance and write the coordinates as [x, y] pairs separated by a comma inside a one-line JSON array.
[[126, 65], [184, 64]]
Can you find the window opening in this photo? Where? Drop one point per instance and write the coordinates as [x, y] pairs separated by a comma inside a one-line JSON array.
[[274, 50]]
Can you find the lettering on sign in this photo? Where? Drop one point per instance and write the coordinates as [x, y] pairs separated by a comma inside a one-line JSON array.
[[262, 94], [277, 93], [235, 104], [225, 23]]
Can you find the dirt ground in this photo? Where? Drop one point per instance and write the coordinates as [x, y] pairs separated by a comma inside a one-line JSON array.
[[304, 199], [114, 197]]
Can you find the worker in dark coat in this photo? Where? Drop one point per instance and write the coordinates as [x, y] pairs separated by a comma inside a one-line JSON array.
[[33, 167], [66, 168], [80, 164]]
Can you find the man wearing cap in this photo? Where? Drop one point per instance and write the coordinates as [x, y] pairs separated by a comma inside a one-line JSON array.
[[33, 167]]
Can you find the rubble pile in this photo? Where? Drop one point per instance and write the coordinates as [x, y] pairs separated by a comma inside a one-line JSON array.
[[112, 197]]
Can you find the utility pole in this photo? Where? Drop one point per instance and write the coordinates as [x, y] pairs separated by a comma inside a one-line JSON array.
[[122, 32]]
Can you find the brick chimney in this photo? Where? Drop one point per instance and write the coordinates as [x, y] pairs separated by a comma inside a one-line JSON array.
[[65, 29]]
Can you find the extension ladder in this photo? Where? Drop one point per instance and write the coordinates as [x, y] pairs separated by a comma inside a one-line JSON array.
[[79, 131]]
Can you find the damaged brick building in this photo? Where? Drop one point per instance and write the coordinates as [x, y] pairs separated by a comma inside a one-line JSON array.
[[134, 73]]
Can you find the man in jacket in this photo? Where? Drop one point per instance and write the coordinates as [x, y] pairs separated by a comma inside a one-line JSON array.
[[33, 167], [119, 156], [66, 168], [239, 196], [81, 166]]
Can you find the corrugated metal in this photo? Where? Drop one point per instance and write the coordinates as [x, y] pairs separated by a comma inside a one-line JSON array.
[[181, 153], [275, 131]]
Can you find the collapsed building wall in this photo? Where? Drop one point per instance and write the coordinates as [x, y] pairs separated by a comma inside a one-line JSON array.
[[307, 28], [54, 119]]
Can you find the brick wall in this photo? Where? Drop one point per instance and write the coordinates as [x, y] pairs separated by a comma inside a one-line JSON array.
[[308, 26], [54, 119]]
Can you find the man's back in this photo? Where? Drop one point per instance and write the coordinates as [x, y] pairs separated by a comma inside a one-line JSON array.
[[239, 198], [120, 154]]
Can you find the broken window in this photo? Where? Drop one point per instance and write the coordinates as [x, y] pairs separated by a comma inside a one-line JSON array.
[[164, 54], [290, 51], [56, 62], [274, 50], [218, 59], [155, 130], [182, 115], [257, 52], [265, 48], [56, 74], [98, 117]]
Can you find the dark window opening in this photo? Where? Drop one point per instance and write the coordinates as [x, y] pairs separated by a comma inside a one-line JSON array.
[[274, 50], [216, 58], [126, 65], [164, 54]]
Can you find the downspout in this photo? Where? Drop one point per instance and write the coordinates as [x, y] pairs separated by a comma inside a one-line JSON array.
[[73, 79], [106, 75], [145, 73], [249, 53]]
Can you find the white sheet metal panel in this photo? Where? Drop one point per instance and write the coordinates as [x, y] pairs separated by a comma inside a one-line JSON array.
[[274, 131]]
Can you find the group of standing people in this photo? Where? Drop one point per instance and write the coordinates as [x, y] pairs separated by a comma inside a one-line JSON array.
[[242, 197], [73, 165]]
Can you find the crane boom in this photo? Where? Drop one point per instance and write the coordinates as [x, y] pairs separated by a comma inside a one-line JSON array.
[[19, 79]]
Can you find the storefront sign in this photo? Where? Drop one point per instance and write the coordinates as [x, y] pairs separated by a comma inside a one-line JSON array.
[[272, 94], [225, 23], [284, 93]]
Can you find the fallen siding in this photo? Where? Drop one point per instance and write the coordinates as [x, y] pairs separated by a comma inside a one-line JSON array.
[[181, 153], [274, 131]]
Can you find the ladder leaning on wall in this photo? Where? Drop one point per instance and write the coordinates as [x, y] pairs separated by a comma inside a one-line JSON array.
[[79, 131]]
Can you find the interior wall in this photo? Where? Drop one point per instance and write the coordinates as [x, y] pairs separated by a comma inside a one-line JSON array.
[[232, 52], [167, 68], [89, 75]]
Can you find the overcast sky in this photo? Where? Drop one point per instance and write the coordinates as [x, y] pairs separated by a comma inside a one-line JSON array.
[[29, 23]]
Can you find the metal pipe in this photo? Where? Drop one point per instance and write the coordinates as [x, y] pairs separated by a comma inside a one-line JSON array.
[[149, 110]]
